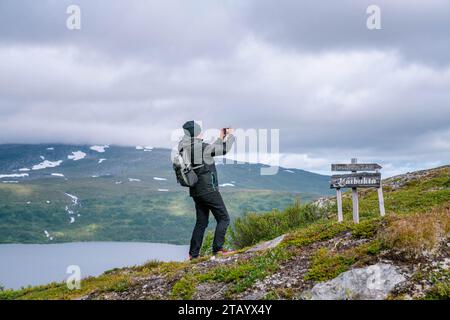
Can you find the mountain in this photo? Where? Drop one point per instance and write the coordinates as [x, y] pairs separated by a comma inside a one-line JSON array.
[[59, 193], [403, 255]]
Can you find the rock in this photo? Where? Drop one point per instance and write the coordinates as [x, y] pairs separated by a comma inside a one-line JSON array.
[[268, 244], [323, 202], [371, 283]]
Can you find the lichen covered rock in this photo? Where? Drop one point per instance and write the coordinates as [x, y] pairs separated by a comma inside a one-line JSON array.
[[371, 283]]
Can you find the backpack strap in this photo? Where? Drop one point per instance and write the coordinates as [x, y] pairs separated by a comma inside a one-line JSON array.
[[187, 159]]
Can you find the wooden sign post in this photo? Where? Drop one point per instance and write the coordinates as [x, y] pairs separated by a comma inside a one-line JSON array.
[[356, 180]]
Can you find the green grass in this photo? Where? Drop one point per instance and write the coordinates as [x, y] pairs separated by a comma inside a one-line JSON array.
[[184, 288], [253, 228], [415, 196], [238, 276], [326, 265]]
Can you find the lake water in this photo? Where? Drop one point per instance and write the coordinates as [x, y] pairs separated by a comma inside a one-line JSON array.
[[34, 264]]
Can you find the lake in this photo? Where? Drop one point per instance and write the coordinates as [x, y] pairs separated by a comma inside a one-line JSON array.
[[35, 264]]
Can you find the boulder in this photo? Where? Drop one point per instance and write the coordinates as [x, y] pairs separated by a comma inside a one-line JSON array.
[[371, 283]]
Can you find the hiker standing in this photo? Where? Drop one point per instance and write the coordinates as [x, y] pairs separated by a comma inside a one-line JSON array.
[[205, 190]]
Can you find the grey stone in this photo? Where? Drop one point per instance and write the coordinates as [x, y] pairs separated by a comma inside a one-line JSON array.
[[267, 244], [370, 283]]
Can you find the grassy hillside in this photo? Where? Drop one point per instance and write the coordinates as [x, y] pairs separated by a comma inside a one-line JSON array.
[[110, 214], [130, 196], [413, 236]]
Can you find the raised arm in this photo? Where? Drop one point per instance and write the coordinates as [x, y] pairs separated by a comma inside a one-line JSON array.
[[221, 146]]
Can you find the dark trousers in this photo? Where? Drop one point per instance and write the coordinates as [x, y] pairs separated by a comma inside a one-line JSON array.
[[203, 205]]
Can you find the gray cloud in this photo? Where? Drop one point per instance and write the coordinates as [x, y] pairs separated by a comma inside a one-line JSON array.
[[137, 71], [418, 29]]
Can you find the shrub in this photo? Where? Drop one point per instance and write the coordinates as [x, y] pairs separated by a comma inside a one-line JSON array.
[[417, 233], [366, 229], [253, 228]]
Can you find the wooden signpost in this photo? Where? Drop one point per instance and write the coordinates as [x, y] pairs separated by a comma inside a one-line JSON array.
[[356, 180]]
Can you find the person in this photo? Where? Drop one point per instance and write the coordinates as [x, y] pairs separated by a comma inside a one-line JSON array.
[[205, 192]]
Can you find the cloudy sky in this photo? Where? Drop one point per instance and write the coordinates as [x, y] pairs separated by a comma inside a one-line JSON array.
[[136, 70]]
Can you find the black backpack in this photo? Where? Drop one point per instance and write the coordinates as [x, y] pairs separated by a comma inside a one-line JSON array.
[[184, 171]]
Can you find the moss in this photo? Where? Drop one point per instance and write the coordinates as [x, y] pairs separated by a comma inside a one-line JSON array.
[[326, 265], [184, 288], [439, 291], [280, 293]]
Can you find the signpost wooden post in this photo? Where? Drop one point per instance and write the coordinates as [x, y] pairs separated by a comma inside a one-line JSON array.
[[356, 180]]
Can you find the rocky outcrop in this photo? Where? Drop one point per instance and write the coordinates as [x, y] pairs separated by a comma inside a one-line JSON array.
[[374, 282], [399, 181]]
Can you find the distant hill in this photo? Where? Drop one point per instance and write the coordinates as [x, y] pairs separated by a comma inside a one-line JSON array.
[[56, 193]]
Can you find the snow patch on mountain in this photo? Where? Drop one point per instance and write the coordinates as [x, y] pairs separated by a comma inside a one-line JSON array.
[[10, 181], [147, 148], [159, 179], [163, 190], [101, 160], [134, 180], [77, 155], [14, 175], [74, 198], [100, 149], [290, 171], [24, 169], [226, 185], [47, 164], [58, 175]]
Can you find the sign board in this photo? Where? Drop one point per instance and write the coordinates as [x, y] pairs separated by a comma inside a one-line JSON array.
[[355, 180], [355, 167]]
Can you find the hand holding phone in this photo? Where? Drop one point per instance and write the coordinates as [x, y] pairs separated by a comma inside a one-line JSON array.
[[225, 131]]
